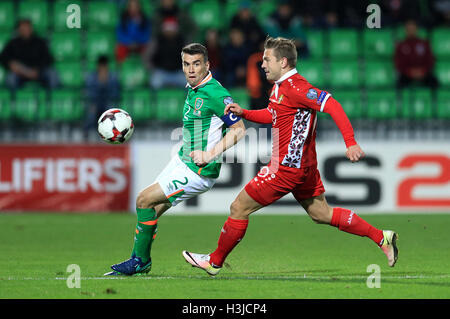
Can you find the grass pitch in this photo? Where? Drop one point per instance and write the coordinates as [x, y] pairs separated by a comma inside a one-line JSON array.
[[286, 257]]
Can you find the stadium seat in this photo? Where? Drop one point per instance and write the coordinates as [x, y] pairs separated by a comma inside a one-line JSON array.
[[231, 8], [148, 7], [316, 41], [37, 11], [240, 96], [70, 73], [102, 15], [443, 72], [344, 74], [416, 103], [66, 45], [443, 104], [66, 106], [400, 33], [382, 104], [313, 71], [139, 104], [351, 101], [2, 75], [7, 16], [30, 105], [378, 74], [343, 43], [440, 43], [98, 43], [60, 14], [169, 104], [207, 14], [5, 105], [133, 74], [378, 43]]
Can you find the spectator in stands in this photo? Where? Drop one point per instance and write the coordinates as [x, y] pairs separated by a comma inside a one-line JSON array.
[[414, 60], [169, 9], [102, 91], [440, 10], [245, 21], [214, 47], [235, 57], [163, 56], [27, 58], [285, 23], [133, 31]]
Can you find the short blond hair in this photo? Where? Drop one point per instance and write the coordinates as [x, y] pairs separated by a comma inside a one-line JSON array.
[[282, 48]]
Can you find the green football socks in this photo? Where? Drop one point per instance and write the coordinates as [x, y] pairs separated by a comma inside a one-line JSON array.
[[145, 233]]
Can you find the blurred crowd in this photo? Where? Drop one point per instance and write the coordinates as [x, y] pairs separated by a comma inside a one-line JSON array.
[[235, 52]]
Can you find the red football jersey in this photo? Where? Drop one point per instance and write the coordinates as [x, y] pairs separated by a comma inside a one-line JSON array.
[[294, 103]]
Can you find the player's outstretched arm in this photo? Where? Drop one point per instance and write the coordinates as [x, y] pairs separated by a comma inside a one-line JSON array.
[[235, 133], [262, 116]]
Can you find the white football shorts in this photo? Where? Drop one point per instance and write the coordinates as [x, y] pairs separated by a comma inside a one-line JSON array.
[[180, 183]]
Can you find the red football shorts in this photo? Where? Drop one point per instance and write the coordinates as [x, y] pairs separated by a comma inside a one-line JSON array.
[[269, 185]]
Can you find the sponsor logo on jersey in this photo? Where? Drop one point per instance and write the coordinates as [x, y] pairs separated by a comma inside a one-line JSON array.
[[321, 97]]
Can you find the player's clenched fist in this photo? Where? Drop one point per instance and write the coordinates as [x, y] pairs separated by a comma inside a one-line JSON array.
[[355, 153], [201, 158], [233, 108]]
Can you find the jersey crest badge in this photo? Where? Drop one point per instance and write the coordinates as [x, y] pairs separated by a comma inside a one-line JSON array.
[[197, 106]]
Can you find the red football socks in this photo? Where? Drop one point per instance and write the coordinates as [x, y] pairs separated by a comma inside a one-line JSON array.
[[346, 220], [232, 232]]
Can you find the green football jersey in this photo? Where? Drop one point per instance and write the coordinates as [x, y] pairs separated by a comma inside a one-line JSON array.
[[204, 122]]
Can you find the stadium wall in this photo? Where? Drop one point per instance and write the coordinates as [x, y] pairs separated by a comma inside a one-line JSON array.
[[395, 177]]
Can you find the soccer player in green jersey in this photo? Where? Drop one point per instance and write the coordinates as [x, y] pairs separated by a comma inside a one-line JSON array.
[[196, 167]]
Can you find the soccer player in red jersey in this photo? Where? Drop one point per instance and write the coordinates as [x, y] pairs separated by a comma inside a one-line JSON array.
[[292, 110]]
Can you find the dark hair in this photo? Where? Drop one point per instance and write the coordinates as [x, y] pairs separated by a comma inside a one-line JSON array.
[[195, 48], [282, 48]]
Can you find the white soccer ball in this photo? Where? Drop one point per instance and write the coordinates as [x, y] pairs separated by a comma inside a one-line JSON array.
[[115, 126]]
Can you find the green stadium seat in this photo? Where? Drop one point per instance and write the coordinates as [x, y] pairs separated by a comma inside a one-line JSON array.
[[148, 7], [316, 41], [207, 14], [351, 101], [443, 72], [169, 104], [66, 45], [240, 96], [440, 42], [343, 43], [139, 104], [7, 16], [5, 105], [98, 43], [379, 74], [443, 104], [416, 103], [231, 8], [65, 106], [382, 104], [263, 9], [400, 33], [30, 105], [38, 12], [70, 73], [59, 16], [133, 74], [102, 15], [344, 74], [378, 43], [313, 71]]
